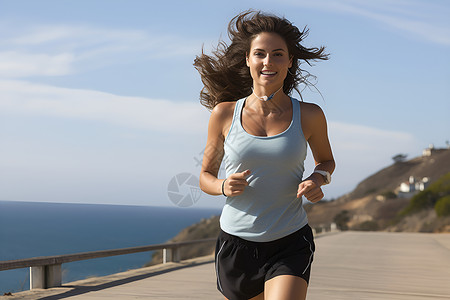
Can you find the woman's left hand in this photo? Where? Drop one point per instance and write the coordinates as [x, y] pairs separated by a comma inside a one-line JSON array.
[[310, 189]]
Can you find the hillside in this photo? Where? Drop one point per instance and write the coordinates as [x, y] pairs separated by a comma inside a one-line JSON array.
[[372, 205], [389, 178]]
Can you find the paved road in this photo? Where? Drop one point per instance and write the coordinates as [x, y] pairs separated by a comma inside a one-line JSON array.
[[348, 265]]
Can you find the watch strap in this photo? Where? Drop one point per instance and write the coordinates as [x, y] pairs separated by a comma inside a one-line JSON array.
[[326, 175]]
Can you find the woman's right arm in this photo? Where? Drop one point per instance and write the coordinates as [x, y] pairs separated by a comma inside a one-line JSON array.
[[219, 125], [219, 120]]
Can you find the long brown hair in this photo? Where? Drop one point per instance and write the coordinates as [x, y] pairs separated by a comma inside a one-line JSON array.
[[225, 75]]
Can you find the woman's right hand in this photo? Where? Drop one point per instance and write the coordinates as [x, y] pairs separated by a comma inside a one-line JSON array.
[[235, 184]]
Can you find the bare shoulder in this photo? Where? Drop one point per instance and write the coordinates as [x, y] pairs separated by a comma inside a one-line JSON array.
[[312, 118], [311, 113], [222, 116], [224, 109], [310, 110]]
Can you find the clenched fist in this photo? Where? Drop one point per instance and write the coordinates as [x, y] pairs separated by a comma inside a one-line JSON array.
[[310, 189], [235, 184]]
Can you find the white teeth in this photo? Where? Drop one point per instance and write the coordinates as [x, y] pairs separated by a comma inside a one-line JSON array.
[[268, 73]]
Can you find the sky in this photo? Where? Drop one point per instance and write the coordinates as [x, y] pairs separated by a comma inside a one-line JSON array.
[[99, 100]]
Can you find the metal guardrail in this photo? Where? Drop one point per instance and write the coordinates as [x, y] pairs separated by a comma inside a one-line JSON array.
[[45, 271]]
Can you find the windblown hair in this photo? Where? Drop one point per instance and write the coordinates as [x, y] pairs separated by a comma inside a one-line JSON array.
[[225, 75]]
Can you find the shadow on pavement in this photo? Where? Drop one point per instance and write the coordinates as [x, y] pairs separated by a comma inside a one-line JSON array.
[[80, 289]]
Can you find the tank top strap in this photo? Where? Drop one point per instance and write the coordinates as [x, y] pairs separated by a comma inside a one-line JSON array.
[[296, 115], [234, 131], [238, 110]]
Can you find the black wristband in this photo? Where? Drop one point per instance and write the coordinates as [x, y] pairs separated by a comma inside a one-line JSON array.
[[223, 188]]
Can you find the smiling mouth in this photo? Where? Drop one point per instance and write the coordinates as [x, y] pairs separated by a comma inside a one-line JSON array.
[[268, 73]]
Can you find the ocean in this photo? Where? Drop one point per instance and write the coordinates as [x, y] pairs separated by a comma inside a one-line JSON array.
[[32, 229]]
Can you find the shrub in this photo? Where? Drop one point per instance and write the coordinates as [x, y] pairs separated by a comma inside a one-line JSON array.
[[367, 226], [341, 220], [442, 206], [423, 200], [428, 197]]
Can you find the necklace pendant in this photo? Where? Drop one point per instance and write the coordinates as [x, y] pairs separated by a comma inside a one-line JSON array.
[[265, 98]]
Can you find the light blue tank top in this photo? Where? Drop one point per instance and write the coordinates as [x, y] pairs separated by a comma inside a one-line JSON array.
[[268, 209]]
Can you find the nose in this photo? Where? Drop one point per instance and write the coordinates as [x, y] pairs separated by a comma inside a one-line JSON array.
[[267, 60]]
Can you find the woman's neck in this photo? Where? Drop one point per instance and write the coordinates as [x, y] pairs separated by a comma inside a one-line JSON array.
[[278, 104]]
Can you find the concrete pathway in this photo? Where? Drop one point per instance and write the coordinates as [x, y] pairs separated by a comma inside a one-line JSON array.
[[380, 265], [348, 265]]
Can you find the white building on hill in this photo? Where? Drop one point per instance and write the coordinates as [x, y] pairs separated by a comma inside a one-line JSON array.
[[428, 151], [409, 189]]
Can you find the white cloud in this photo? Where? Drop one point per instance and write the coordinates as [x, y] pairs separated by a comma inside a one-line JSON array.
[[142, 113], [74, 37], [116, 164], [17, 64], [363, 138], [425, 20], [60, 50]]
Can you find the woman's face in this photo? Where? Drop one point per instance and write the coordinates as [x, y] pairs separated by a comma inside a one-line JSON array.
[[268, 60]]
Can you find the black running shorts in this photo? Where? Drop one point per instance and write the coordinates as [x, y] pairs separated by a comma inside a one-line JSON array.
[[242, 267]]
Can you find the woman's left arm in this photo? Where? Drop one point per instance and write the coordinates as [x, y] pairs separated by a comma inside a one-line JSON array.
[[314, 127]]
